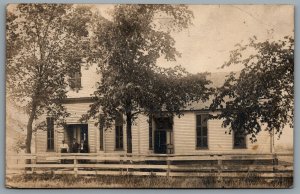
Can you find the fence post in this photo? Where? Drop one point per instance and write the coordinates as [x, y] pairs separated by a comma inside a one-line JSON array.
[[121, 162], [275, 162], [168, 169], [75, 167], [33, 162], [220, 167]]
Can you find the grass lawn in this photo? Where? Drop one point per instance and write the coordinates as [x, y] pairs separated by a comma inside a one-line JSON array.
[[100, 181]]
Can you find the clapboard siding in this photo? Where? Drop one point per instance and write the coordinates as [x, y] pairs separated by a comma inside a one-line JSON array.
[[136, 148], [110, 140], [41, 141], [76, 110], [144, 135], [218, 142], [184, 135]]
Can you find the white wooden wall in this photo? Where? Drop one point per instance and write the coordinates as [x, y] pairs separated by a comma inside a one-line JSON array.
[[218, 142], [184, 136]]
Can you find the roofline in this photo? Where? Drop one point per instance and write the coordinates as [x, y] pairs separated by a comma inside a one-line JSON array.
[[78, 100], [92, 99]]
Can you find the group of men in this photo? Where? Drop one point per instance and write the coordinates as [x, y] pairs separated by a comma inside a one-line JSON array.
[[75, 147]]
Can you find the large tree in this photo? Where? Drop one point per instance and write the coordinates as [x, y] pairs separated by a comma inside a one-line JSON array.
[[132, 82], [262, 94], [45, 43]]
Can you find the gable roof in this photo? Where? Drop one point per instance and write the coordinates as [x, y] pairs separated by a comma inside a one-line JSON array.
[[217, 78]]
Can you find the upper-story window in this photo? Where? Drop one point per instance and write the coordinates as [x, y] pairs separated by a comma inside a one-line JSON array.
[[201, 131], [75, 79]]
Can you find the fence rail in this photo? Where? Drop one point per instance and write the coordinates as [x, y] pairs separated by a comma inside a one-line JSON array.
[[221, 165]]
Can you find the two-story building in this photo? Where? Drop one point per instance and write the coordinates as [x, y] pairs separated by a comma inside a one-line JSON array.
[[192, 133]]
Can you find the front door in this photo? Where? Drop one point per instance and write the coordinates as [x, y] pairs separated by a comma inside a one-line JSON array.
[[163, 135], [77, 138], [160, 142]]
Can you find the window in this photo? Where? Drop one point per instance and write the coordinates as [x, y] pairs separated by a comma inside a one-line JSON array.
[[50, 134], [150, 134], [75, 79], [101, 129], [119, 132], [201, 131], [239, 140]]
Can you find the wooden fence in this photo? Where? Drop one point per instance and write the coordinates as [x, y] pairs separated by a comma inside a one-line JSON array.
[[220, 165]]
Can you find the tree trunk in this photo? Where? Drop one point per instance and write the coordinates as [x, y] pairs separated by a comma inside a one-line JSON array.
[[129, 133], [29, 131]]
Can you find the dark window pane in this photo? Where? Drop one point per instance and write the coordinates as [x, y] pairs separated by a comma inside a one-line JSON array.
[[204, 120], [198, 129], [198, 120], [199, 142], [48, 144], [101, 128], [201, 131], [72, 84], [50, 133], [119, 120], [119, 131], [204, 142], [150, 133], [239, 140], [75, 79], [204, 131], [121, 143]]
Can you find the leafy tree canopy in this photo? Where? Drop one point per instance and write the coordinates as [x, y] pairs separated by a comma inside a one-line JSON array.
[[44, 43], [127, 48], [262, 93]]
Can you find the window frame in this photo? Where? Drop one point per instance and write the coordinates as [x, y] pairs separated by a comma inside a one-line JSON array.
[[201, 136], [244, 146], [75, 79], [50, 134], [150, 128], [101, 132], [119, 133]]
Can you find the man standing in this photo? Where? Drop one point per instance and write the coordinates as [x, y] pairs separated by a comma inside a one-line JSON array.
[[75, 146], [64, 148]]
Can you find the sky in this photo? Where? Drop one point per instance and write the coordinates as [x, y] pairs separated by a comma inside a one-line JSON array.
[[216, 29]]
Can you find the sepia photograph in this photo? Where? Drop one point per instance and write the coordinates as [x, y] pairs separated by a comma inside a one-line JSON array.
[[149, 96]]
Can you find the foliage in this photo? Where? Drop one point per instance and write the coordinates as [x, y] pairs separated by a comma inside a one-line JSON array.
[[262, 93], [44, 44], [127, 48], [19, 143]]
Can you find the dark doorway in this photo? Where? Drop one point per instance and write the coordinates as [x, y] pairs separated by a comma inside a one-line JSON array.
[[163, 135], [79, 133], [160, 139]]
